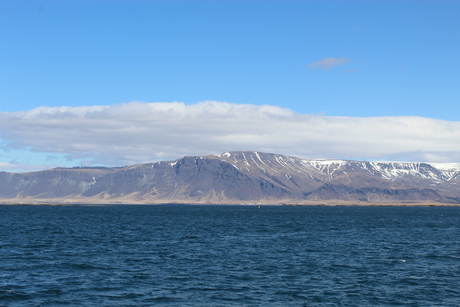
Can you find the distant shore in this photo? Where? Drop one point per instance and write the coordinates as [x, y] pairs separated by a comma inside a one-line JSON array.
[[370, 204], [293, 204]]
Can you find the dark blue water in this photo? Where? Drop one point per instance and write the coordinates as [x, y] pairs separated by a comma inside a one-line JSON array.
[[229, 256]]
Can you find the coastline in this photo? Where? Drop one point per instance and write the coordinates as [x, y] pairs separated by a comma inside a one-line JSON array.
[[286, 204]]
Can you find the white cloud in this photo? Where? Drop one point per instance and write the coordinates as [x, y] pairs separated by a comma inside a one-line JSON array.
[[139, 132], [6, 166], [328, 63], [16, 167]]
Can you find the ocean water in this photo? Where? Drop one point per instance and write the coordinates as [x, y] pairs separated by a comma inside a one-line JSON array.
[[178, 255]]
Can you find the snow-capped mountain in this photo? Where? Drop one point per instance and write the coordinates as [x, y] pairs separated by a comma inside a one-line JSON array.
[[387, 170], [241, 177]]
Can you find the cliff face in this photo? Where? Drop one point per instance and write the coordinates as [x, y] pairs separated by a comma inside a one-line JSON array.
[[239, 177]]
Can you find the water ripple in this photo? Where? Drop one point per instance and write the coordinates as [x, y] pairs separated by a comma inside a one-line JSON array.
[[229, 256]]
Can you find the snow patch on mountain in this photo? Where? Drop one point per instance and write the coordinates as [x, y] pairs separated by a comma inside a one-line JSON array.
[[447, 166]]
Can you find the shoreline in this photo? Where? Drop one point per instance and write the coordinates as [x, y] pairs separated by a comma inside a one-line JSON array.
[[286, 204]]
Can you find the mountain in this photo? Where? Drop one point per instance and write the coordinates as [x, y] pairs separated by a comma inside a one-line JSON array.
[[240, 177]]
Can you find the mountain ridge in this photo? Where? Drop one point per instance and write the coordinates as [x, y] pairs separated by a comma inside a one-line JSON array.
[[240, 177]]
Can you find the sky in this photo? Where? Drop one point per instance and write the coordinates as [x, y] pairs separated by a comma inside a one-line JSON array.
[[113, 83]]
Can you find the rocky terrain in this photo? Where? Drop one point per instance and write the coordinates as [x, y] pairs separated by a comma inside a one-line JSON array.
[[240, 177]]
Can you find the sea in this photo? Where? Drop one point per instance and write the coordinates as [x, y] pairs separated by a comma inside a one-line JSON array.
[[225, 255]]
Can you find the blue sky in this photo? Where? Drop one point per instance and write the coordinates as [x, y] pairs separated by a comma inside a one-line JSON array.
[[361, 60]]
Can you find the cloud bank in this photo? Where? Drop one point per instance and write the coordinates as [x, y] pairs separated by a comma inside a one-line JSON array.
[[328, 63], [138, 132]]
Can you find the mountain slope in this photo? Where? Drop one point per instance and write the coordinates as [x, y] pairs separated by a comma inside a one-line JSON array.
[[239, 177]]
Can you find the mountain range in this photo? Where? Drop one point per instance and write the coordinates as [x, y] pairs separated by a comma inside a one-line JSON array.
[[241, 177]]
